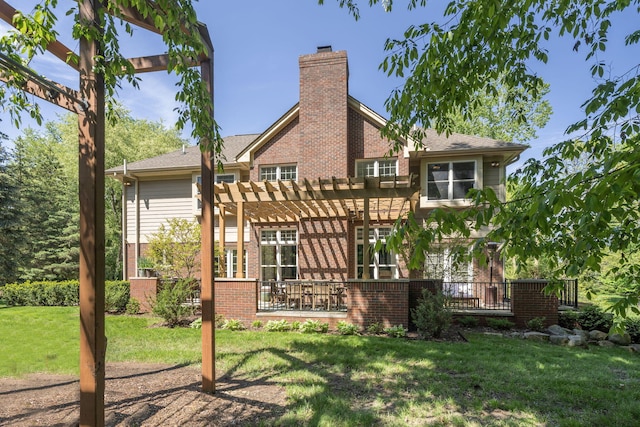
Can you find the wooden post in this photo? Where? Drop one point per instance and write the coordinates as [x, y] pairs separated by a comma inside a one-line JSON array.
[[365, 241], [91, 193], [240, 239], [222, 239], [207, 299]]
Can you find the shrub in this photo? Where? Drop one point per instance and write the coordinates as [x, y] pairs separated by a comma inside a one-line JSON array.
[[256, 324], [568, 319], [133, 306], [196, 324], [312, 326], [500, 324], [432, 316], [295, 325], [277, 326], [536, 324], [116, 296], [233, 325], [468, 321], [219, 321], [633, 329], [375, 328], [345, 328], [170, 302], [593, 317], [397, 331]]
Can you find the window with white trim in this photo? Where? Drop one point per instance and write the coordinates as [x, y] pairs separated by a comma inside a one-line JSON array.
[[231, 263], [450, 180], [196, 180], [279, 254], [382, 263], [457, 273], [376, 167], [279, 172]]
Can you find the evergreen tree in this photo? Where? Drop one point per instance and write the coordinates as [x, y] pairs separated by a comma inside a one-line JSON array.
[[10, 229]]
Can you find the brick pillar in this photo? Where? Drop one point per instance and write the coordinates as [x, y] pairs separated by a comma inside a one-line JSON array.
[[528, 301], [382, 302], [144, 289]]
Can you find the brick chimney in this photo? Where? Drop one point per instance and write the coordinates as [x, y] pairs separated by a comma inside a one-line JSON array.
[[324, 89]]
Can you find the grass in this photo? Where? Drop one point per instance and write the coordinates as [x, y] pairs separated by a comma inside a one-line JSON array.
[[351, 380]]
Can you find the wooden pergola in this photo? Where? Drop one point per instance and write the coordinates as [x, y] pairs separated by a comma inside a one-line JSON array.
[[365, 199], [89, 104]]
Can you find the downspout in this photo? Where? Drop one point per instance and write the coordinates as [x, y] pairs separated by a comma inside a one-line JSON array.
[[137, 226], [125, 251]]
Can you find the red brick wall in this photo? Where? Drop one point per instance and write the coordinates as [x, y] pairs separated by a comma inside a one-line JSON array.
[[378, 302], [323, 250], [323, 115], [528, 301], [283, 148], [144, 290], [131, 258], [236, 299]]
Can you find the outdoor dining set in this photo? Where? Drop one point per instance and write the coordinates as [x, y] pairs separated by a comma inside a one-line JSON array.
[[313, 295]]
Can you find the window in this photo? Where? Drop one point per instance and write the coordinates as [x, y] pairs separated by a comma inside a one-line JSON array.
[[231, 263], [275, 173], [382, 263], [279, 254], [226, 177], [457, 274], [196, 180], [365, 168], [450, 180]]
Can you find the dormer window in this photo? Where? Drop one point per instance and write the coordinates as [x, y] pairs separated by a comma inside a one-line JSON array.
[[450, 180], [377, 167], [280, 172]]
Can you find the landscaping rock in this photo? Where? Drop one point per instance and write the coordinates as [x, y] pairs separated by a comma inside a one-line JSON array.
[[634, 348], [536, 336], [558, 330], [559, 339], [584, 334], [605, 343], [624, 339], [597, 335], [576, 341]]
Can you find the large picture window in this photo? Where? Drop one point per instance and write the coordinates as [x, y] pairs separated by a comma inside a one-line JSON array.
[[457, 274], [382, 263], [379, 167], [281, 172], [279, 254], [231, 264], [450, 180]]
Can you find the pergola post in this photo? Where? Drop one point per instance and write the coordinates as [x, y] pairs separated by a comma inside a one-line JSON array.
[[207, 297], [222, 239], [91, 194], [240, 239], [365, 241]]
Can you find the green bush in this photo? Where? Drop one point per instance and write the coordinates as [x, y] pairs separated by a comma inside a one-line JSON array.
[[633, 329], [568, 319], [133, 306], [313, 326], [500, 324], [593, 317], [277, 326], [397, 331], [196, 324], [219, 321], [116, 296], [170, 302], [295, 325], [536, 324], [233, 325], [256, 324], [468, 321], [432, 316], [345, 328], [375, 328]]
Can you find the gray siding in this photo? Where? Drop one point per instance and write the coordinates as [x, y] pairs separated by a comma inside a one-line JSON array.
[[491, 178]]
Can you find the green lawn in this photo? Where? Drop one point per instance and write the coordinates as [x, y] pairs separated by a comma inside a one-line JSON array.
[[349, 381]]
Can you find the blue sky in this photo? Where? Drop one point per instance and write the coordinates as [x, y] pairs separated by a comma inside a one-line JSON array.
[[257, 45]]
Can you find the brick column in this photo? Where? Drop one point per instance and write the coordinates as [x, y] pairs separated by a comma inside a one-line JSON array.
[[143, 289], [528, 301], [383, 302]]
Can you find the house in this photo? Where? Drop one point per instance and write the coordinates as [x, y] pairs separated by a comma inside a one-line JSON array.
[[307, 198]]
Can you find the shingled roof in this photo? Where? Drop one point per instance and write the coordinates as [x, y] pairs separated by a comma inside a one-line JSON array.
[[189, 158], [434, 143]]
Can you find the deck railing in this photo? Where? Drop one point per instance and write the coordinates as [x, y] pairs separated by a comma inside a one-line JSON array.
[[302, 296], [477, 295]]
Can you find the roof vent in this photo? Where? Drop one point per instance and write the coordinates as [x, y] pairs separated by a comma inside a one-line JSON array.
[[323, 49]]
